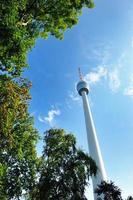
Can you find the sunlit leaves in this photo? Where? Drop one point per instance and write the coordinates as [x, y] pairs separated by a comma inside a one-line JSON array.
[[18, 137], [65, 170], [23, 21]]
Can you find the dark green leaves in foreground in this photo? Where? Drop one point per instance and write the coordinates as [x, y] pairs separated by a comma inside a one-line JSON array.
[[109, 191], [22, 21], [18, 137], [65, 170]]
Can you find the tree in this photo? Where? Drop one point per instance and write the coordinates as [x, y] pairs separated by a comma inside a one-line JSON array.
[[23, 21], [130, 198], [109, 191], [65, 170], [18, 137]]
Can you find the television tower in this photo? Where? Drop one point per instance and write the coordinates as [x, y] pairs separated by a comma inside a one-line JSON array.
[[94, 148]]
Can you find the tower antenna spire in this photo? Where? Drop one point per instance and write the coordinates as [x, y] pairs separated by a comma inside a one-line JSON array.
[[80, 74]]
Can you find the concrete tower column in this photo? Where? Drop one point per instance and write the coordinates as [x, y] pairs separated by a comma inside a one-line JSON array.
[[94, 148]]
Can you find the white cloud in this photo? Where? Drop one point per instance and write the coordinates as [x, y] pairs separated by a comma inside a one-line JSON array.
[[108, 70], [95, 76], [129, 91], [41, 119], [131, 80], [51, 116], [98, 74], [74, 97], [100, 52], [114, 81], [32, 114], [91, 78], [68, 104]]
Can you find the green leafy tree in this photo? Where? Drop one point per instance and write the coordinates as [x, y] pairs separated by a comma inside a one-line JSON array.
[[109, 191], [23, 21], [65, 170], [18, 137], [130, 198]]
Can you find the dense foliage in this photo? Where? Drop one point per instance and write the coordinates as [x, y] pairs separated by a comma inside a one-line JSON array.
[[18, 137], [22, 21], [130, 198], [109, 191], [65, 170]]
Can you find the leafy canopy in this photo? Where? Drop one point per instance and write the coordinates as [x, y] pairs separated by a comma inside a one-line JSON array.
[[23, 21], [18, 137], [65, 170], [109, 191], [130, 198]]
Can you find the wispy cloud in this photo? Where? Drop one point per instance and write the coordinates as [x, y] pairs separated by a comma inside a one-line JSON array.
[[114, 80], [74, 96], [129, 90], [41, 119], [32, 114], [68, 103], [103, 73], [110, 68], [96, 75], [91, 78], [100, 52], [49, 119]]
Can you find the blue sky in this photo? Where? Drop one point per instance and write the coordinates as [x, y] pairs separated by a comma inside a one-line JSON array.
[[102, 45]]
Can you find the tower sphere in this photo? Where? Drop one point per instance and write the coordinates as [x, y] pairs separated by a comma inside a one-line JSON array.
[[82, 86]]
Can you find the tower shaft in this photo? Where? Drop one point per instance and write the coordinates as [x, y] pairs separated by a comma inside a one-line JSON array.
[[93, 144]]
